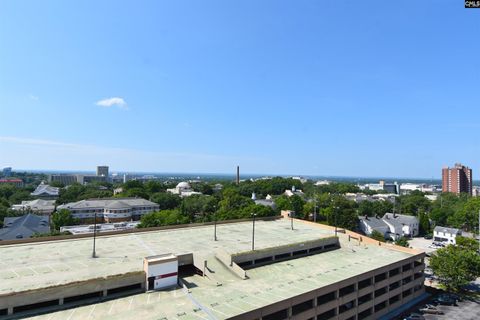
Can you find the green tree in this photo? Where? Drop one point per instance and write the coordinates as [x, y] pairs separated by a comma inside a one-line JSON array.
[[133, 184], [198, 206], [309, 209], [153, 186], [166, 200], [342, 213], [203, 187], [424, 223], [162, 218], [62, 218], [440, 215], [366, 208], [136, 192], [456, 265], [19, 196], [283, 203], [297, 205], [414, 203], [377, 236], [465, 243], [467, 216], [446, 205], [57, 184], [230, 207], [338, 187], [402, 241]]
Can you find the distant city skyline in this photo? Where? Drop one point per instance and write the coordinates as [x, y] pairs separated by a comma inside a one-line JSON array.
[[278, 87], [248, 175]]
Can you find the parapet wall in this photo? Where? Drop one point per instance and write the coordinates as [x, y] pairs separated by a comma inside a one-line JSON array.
[[72, 293], [250, 255]]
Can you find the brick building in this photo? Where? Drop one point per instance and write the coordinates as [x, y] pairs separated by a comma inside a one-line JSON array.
[[457, 179]]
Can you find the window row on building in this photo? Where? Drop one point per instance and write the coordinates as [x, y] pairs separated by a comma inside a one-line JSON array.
[[363, 299]]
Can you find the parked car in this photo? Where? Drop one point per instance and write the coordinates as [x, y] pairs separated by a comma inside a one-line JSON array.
[[431, 309], [415, 316], [446, 300], [428, 236]]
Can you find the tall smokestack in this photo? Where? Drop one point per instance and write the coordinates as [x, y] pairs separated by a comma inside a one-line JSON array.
[[238, 175]]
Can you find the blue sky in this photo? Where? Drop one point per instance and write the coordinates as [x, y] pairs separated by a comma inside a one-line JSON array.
[[348, 88]]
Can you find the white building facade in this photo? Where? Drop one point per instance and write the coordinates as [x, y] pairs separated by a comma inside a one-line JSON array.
[[446, 235], [392, 226], [110, 209]]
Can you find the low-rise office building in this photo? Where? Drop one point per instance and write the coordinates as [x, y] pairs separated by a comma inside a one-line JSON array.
[[310, 272], [110, 209]]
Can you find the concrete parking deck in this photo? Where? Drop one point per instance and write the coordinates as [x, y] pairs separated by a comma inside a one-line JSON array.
[[45, 264], [206, 299]]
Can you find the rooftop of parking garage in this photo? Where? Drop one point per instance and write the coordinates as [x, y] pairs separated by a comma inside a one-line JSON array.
[[39, 265], [266, 285], [44, 264]]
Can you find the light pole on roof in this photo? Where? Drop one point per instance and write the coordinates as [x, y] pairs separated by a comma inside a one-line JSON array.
[[253, 231], [94, 255]]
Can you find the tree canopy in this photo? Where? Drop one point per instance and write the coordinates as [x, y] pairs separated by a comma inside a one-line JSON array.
[[61, 218], [457, 265]]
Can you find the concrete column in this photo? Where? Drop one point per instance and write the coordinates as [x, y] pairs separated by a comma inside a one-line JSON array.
[[60, 302], [289, 312], [10, 310], [104, 293]]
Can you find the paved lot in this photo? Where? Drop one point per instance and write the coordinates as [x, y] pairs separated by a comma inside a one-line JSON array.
[[466, 310], [422, 244]]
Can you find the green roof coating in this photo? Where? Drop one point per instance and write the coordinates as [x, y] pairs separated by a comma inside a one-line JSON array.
[[205, 299], [38, 265]]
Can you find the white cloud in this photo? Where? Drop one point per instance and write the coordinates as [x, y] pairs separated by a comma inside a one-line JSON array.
[[113, 102], [33, 97]]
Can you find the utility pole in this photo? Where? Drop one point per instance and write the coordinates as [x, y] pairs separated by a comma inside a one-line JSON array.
[[315, 207]]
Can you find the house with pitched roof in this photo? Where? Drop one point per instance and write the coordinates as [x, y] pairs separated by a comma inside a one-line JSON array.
[[393, 226], [446, 235], [45, 191]]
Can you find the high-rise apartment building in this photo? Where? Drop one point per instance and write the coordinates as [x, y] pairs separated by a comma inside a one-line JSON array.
[[457, 179], [102, 171]]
